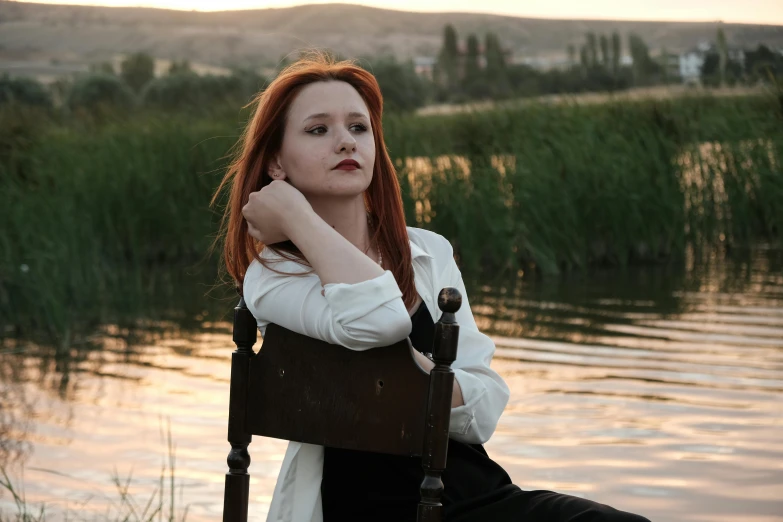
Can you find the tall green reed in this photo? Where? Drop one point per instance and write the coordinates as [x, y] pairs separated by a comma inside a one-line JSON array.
[[558, 187], [97, 217]]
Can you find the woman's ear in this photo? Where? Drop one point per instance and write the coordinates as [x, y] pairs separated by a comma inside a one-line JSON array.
[[276, 170]]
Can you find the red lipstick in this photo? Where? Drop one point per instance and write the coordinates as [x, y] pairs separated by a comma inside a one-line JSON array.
[[347, 164]]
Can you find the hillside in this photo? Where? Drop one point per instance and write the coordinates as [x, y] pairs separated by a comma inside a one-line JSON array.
[[62, 35]]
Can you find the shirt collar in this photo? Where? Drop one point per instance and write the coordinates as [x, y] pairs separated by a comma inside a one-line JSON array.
[[417, 251]]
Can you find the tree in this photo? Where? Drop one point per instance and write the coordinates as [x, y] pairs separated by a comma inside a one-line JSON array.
[[643, 66], [473, 81], [137, 69], [711, 73], [605, 52], [250, 80], [25, 91], [664, 61], [496, 66], [447, 68], [102, 67], [472, 67], [97, 91], [524, 80], [592, 50], [188, 91], [571, 55], [403, 90], [723, 55], [763, 65], [616, 52]]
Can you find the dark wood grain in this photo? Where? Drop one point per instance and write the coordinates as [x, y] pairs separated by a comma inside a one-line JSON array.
[[371, 400], [237, 486], [436, 437], [380, 400]]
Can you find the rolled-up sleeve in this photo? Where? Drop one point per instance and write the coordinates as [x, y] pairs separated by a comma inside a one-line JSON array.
[[484, 391], [358, 316]]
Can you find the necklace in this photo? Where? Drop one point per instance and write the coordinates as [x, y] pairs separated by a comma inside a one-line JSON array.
[[380, 256]]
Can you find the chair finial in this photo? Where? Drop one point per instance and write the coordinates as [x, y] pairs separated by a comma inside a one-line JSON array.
[[449, 300]]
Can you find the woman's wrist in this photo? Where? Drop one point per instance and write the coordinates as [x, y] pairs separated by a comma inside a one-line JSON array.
[[427, 365], [425, 362], [299, 223]]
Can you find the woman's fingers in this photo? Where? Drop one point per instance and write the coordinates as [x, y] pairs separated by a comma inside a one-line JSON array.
[[270, 210], [254, 232]]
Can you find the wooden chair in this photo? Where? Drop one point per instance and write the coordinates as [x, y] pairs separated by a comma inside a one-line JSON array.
[[302, 389]]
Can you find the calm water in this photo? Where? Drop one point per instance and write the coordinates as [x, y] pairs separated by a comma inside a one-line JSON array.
[[658, 391]]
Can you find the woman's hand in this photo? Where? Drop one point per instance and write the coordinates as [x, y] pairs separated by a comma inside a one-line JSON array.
[[427, 365], [270, 210]]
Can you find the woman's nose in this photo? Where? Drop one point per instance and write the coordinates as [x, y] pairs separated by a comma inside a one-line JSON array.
[[346, 142]]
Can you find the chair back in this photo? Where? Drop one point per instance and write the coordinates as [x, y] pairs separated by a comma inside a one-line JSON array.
[[307, 390], [380, 400]]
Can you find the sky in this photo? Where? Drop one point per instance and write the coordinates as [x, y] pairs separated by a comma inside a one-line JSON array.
[[745, 11]]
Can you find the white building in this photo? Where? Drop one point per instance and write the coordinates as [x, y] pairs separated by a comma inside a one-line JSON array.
[[692, 61], [541, 63], [690, 66], [425, 65]]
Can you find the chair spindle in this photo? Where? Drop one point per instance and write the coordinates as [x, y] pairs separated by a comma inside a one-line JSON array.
[[436, 435], [237, 487]]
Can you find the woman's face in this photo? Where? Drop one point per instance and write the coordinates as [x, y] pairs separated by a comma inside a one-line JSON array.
[[327, 123]]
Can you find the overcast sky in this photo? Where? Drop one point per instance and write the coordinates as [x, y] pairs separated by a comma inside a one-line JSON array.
[[747, 11]]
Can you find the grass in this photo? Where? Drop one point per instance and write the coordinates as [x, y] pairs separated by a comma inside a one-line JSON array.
[[107, 219], [159, 506]]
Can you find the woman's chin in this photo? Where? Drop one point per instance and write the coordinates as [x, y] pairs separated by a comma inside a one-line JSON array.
[[348, 183]]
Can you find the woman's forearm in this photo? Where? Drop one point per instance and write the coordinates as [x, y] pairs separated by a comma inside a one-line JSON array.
[[334, 258], [428, 365], [337, 260]]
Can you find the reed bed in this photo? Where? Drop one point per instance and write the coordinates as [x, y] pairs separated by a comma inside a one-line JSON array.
[[563, 187], [96, 216]]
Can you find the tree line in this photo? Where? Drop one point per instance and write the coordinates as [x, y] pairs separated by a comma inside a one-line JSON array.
[[478, 68], [467, 72], [133, 85]]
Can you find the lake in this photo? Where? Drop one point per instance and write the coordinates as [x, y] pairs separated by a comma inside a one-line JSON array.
[[657, 390]]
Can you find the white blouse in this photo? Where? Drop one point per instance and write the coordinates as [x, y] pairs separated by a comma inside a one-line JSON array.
[[361, 316]]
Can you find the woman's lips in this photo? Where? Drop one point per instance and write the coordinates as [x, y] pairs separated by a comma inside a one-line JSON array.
[[348, 164]]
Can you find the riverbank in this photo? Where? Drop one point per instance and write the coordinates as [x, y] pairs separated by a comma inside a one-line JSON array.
[[658, 92], [97, 213]]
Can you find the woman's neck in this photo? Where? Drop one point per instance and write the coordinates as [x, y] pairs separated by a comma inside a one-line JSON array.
[[347, 216]]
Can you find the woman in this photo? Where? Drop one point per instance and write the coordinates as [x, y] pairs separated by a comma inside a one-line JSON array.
[[315, 233]]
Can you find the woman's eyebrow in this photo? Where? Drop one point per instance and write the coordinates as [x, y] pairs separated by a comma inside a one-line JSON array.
[[327, 115]]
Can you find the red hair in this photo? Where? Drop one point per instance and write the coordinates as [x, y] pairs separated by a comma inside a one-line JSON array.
[[261, 141]]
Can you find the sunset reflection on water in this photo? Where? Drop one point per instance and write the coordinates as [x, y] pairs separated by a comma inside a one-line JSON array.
[[655, 391]]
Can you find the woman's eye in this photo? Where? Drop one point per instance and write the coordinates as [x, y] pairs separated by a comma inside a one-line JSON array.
[[317, 130], [321, 129]]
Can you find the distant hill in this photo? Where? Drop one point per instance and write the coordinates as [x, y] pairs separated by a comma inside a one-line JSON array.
[[41, 33]]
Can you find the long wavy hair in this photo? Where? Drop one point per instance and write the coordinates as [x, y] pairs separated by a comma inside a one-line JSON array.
[[260, 143]]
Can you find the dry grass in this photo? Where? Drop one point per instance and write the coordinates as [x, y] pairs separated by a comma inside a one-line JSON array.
[[662, 92]]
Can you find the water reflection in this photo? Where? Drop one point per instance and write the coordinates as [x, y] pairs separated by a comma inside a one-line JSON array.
[[659, 390]]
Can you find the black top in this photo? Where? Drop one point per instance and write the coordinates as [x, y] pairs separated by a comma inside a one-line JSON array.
[[362, 486]]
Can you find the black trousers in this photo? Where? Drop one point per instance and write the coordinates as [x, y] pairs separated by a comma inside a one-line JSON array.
[[539, 506], [372, 487]]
